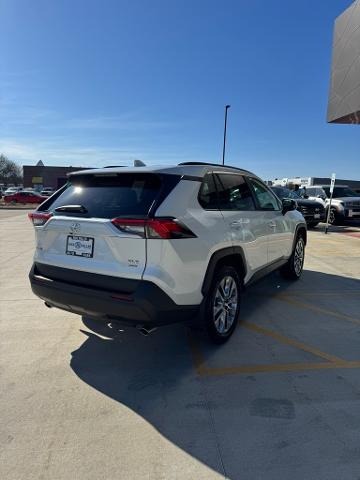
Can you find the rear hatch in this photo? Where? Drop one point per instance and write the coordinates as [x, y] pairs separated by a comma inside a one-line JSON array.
[[79, 231]]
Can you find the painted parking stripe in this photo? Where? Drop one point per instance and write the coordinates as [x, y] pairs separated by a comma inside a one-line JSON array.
[[289, 341], [203, 370], [316, 309]]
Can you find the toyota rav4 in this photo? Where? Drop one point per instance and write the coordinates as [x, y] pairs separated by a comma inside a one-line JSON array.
[[152, 246]]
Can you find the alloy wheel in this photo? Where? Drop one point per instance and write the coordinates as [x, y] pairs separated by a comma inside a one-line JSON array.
[[299, 256], [225, 304]]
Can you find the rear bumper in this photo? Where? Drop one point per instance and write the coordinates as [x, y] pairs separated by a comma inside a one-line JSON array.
[[135, 302]]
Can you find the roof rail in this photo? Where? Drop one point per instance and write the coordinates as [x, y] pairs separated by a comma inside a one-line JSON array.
[[216, 165], [113, 166]]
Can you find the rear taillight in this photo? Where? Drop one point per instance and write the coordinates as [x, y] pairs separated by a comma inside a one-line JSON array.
[[161, 228], [39, 219]]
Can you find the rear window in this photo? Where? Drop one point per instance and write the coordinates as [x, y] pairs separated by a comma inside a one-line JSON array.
[[109, 196]]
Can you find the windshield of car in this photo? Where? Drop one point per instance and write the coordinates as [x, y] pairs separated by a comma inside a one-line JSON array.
[[283, 192], [341, 192]]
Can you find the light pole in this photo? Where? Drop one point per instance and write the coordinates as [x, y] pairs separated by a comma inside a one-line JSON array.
[[226, 110]]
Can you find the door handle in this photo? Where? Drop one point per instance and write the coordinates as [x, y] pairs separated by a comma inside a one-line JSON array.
[[236, 224], [272, 224]]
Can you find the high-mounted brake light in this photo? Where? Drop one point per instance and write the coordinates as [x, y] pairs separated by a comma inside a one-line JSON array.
[[160, 228], [39, 219]]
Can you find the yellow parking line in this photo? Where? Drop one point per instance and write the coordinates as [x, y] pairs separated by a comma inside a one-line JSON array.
[[297, 303], [332, 362], [289, 341], [203, 370], [197, 357], [355, 293], [277, 367]]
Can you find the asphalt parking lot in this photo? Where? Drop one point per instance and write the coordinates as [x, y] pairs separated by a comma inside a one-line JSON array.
[[81, 400]]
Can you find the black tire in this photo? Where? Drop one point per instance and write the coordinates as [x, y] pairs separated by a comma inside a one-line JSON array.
[[221, 325], [312, 224], [292, 269]]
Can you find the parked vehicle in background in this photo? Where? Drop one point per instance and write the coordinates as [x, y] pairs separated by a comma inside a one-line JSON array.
[[24, 197], [312, 211], [12, 190], [152, 246], [47, 191], [345, 204]]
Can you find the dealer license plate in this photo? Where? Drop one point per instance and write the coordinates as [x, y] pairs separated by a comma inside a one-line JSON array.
[[80, 246]]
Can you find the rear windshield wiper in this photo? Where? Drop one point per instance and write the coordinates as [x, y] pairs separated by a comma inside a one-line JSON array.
[[71, 208]]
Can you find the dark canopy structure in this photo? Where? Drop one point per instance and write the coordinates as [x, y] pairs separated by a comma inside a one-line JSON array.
[[344, 98]]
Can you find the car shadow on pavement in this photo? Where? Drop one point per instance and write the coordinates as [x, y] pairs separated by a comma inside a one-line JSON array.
[[154, 376]]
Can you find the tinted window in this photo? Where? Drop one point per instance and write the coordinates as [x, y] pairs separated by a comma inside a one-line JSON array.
[[234, 193], [283, 192], [208, 194], [266, 200], [327, 191], [109, 196], [314, 192], [341, 192]]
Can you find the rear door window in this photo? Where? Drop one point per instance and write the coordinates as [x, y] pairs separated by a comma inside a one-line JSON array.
[[265, 199], [234, 193], [110, 195]]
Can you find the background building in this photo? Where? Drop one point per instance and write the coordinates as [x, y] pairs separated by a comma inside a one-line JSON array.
[[344, 98], [39, 176]]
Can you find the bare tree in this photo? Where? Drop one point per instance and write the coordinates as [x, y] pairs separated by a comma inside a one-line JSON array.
[[10, 172]]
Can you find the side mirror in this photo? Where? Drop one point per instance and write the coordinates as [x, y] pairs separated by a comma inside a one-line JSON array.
[[288, 204]]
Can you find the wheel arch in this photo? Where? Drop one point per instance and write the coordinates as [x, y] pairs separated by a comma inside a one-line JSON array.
[[232, 256], [300, 230]]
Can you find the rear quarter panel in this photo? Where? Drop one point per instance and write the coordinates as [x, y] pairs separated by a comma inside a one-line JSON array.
[[179, 266]]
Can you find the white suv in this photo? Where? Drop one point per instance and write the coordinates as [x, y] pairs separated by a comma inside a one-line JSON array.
[[152, 246]]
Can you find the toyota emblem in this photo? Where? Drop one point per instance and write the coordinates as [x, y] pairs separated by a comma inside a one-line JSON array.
[[75, 227]]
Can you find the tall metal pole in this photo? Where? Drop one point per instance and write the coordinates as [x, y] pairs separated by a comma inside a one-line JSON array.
[[223, 156]]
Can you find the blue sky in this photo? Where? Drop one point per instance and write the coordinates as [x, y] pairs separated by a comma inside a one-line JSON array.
[[92, 83]]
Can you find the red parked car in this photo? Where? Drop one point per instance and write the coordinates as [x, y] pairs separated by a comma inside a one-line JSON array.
[[24, 197]]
